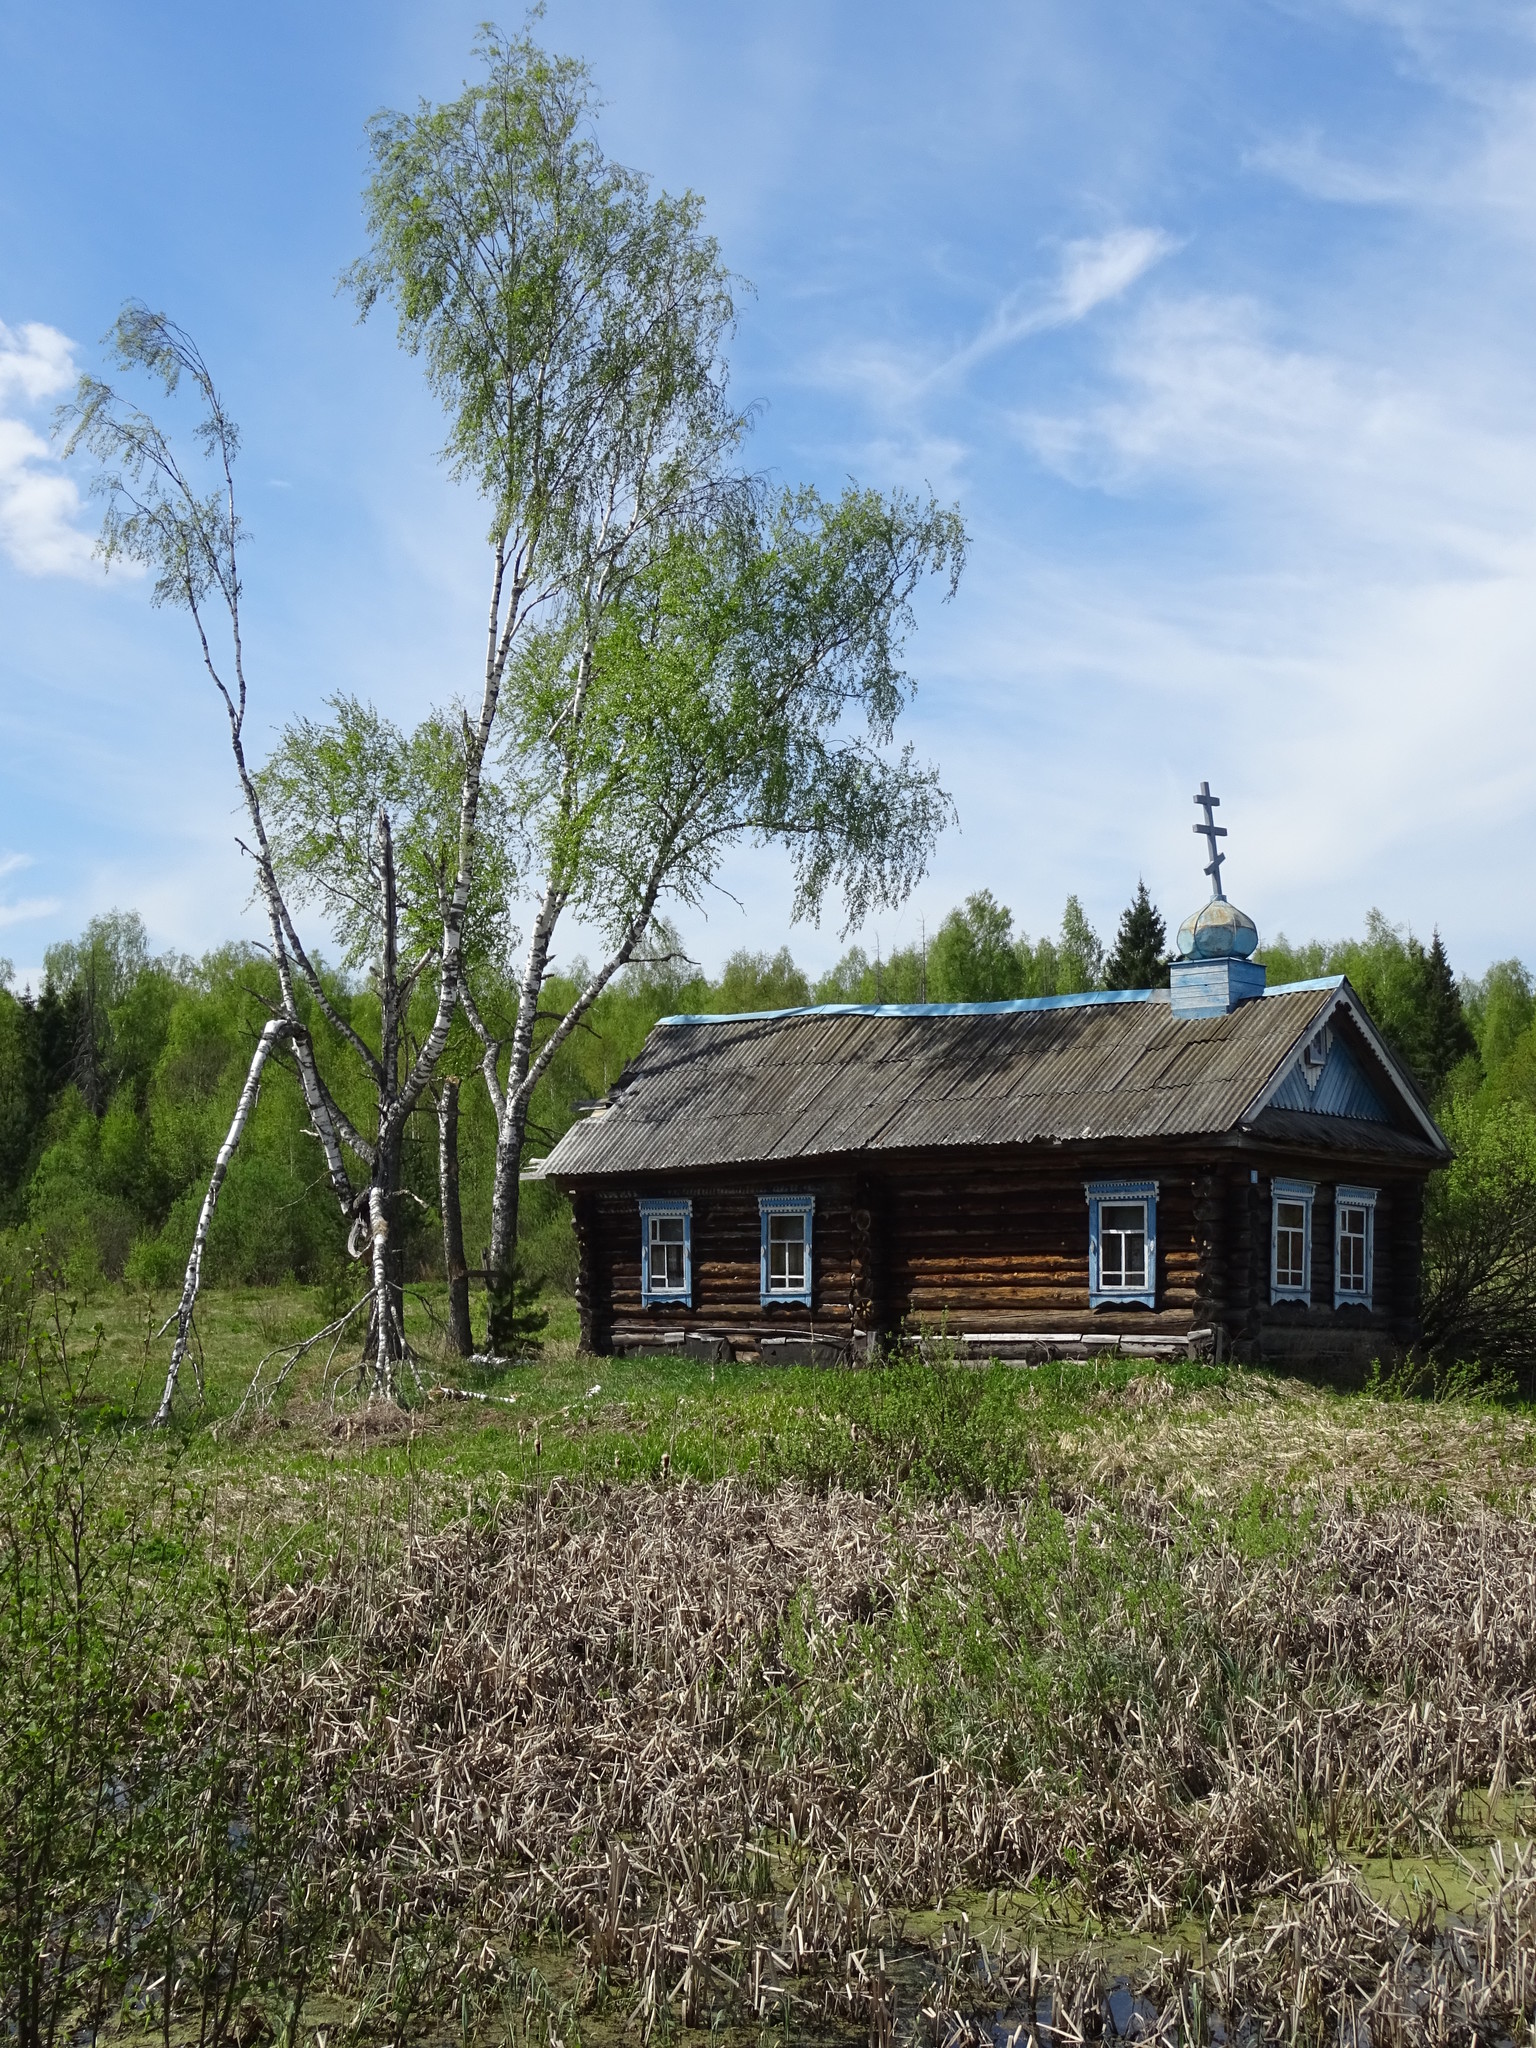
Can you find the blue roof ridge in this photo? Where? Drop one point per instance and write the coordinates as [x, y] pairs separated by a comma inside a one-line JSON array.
[[1002, 1009], [1016, 1005]]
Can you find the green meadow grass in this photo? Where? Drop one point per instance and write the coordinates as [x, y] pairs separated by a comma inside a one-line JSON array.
[[1247, 1444]]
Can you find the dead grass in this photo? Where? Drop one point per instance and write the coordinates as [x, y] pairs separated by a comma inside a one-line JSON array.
[[731, 1694], [1220, 1441], [729, 1743]]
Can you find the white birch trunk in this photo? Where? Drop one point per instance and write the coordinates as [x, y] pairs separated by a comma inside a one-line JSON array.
[[272, 1036], [525, 1072], [383, 1303]]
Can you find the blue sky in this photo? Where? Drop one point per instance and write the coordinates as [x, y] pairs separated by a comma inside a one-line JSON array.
[[1216, 321]]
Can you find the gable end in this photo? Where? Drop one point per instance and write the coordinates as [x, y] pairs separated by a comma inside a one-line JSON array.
[[1369, 1072], [1329, 1081]]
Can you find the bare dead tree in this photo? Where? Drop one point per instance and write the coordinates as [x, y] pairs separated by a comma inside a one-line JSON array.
[[273, 1034], [190, 538]]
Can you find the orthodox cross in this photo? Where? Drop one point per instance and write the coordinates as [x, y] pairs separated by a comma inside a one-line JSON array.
[[1211, 832]]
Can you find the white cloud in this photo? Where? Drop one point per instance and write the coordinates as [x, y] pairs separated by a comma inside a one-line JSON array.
[[36, 362], [29, 908], [1091, 273], [1360, 453], [39, 504], [1096, 271]]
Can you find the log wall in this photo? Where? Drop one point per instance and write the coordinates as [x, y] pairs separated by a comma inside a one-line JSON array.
[[982, 1246], [1291, 1332]]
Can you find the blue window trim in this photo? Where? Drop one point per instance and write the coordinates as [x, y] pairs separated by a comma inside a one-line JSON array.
[[666, 1205], [1355, 1198], [1099, 1192], [783, 1205], [1305, 1192]]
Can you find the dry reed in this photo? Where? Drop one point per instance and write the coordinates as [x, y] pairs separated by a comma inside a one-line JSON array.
[[729, 1743]]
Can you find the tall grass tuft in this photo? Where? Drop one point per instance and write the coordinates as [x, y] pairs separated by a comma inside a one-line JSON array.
[[157, 1862]]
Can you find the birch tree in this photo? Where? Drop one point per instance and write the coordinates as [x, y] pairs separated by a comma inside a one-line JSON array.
[[747, 685], [570, 322]]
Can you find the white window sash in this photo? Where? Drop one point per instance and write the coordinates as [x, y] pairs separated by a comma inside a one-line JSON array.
[[1363, 1199], [674, 1209], [769, 1206], [1300, 1193], [1111, 1194]]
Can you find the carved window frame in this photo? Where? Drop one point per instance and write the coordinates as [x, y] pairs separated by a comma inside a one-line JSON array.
[[1304, 1193], [672, 1207], [769, 1206], [1354, 1198], [1104, 1194]]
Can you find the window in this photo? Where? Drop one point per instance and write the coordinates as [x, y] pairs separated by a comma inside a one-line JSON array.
[[1291, 1240], [1354, 1245], [666, 1251], [786, 1247], [1122, 1246], [1122, 1241]]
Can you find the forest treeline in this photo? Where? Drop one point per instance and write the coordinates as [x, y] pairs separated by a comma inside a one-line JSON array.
[[118, 1079]]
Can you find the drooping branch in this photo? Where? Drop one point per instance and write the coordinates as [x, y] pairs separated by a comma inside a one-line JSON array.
[[338, 1124], [491, 1050]]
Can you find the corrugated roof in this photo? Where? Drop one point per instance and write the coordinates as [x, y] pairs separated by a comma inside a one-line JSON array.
[[796, 1084]]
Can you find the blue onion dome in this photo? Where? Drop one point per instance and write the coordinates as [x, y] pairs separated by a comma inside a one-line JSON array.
[[1217, 931]]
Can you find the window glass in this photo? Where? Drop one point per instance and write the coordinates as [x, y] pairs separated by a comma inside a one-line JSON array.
[[1352, 1228], [786, 1253], [1290, 1244], [1123, 1245], [667, 1267]]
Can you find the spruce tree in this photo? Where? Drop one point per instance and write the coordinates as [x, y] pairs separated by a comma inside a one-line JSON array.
[[516, 1316], [1137, 961], [1445, 1035]]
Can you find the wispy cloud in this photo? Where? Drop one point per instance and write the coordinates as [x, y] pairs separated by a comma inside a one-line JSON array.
[[1200, 389], [28, 908], [1306, 163], [1090, 274], [39, 504], [1470, 148]]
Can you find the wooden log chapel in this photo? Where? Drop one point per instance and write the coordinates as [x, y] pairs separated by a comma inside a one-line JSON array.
[[1215, 1169]]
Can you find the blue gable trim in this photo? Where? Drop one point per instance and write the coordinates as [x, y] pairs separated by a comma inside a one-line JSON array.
[[1341, 1089]]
